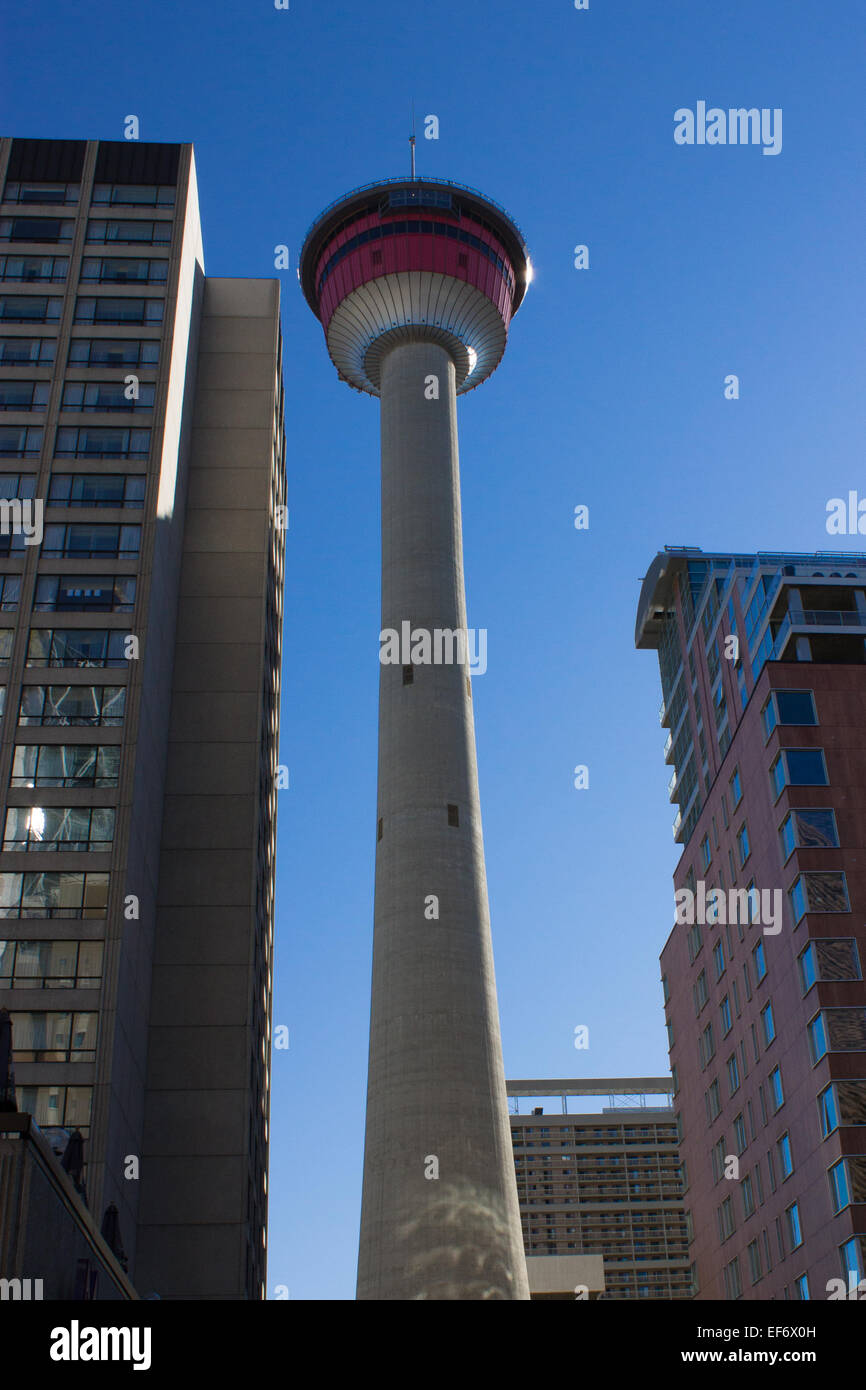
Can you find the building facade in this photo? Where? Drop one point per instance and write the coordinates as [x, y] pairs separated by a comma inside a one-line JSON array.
[[763, 668], [605, 1184], [141, 416]]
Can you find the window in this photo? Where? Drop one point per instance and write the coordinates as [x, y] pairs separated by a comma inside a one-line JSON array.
[[801, 1287], [695, 940], [760, 962], [453, 815], [706, 852], [97, 490], [124, 270], [24, 395], [20, 441], [827, 1112], [666, 992], [725, 1217], [90, 705], [137, 195], [65, 765], [851, 1096], [799, 767], [793, 1221], [747, 979], [88, 540], [719, 959], [743, 843], [809, 828], [740, 1133], [65, 828], [725, 810], [733, 1284], [819, 892], [736, 788], [29, 308], [829, 959], [789, 707], [38, 268], [786, 1162], [776, 1091], [45, 229], [748, 1196], [817, 1038], [55, 1037], [733, 1073], [107, 395], [718, 1155], [10, 592], [50, 964], [707, 1045], [72, 894], [725, 1011], [82, 593], [768, 1024], [141, 233], [753, 1251], [43, 192], [19, 352], [114, 352], [111, 309], [101, 441], [837, 1030], [838, 1185], [701, 992], [851, 1258], [713, 1102], [73, 647]]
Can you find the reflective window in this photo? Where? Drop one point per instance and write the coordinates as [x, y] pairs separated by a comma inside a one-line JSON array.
[[88, 705], [65, 765], [79, 647]]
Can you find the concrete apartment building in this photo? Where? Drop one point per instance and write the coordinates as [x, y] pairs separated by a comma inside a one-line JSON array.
[[142, 402], [604, 1186], [763, 669]]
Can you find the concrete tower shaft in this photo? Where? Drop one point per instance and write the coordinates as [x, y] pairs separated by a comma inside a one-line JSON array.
[[436, 1091], [415, 285]]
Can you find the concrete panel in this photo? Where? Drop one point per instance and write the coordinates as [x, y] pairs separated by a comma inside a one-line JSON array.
[[187, 824], [230, 531], [220, 718], [209, 1190], [200, 995], [220, 769], [193, 876], [198, 1058], [197, 1122]]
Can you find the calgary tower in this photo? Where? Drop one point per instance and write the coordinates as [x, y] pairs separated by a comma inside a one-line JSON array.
[[415, 282]]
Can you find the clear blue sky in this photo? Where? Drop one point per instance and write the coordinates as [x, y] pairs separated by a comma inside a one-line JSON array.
[[703, 262]]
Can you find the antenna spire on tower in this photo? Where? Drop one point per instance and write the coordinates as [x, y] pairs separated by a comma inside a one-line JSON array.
[[412, 140]]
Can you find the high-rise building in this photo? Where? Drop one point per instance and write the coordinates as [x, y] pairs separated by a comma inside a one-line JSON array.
[[763, 669], [415, 283], [142, 406], [605, 1184]]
